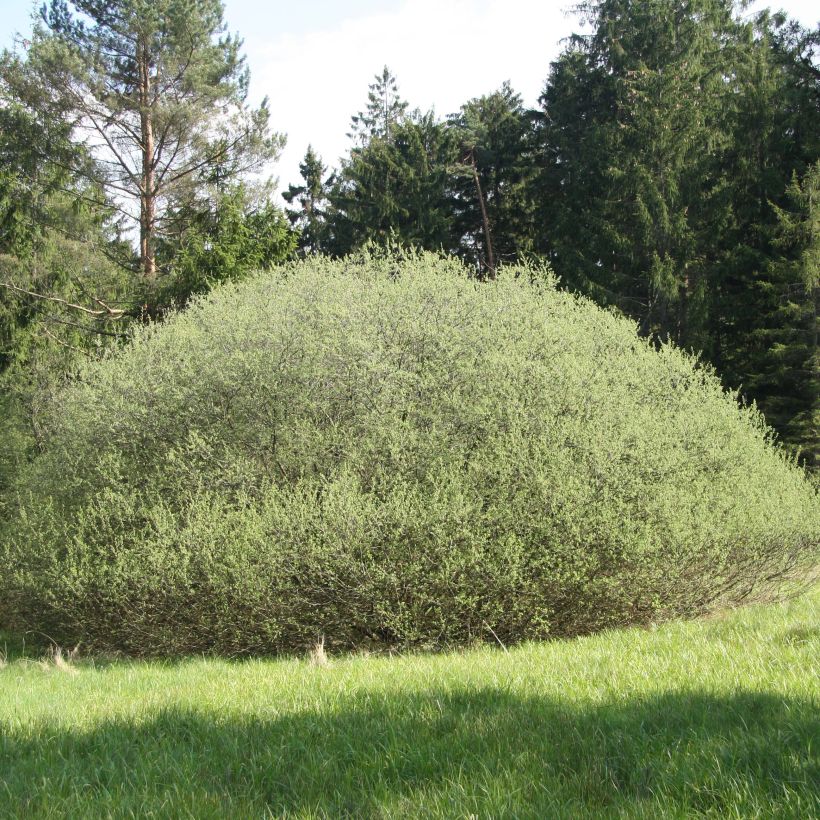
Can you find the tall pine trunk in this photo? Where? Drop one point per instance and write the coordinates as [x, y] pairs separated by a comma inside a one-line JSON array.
[[490, 261], [147, 187]]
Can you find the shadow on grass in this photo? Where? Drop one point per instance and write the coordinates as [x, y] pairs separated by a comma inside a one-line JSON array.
[[487, 752]]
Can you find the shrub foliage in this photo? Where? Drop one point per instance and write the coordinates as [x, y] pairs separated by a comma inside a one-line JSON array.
[[385, 451]]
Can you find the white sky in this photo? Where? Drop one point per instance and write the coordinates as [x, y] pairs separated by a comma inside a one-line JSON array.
[[315, 59], [443, 52]]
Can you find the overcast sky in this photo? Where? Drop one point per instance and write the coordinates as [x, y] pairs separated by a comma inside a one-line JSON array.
[[315, 59]]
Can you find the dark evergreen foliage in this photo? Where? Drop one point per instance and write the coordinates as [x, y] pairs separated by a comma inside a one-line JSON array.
[[669, 140], [311, 199]]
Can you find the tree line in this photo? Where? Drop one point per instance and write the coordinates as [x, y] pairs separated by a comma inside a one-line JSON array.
[[670, 171]]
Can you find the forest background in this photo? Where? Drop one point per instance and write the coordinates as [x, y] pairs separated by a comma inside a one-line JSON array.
[[669, 169]]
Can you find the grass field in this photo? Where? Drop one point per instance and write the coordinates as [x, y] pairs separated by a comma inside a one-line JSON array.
[[712, 718]]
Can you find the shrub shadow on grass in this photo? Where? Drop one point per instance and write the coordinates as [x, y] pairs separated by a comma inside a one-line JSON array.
[[442, 753]]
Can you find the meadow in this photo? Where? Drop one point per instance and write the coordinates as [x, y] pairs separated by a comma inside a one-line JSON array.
[[716, 717]]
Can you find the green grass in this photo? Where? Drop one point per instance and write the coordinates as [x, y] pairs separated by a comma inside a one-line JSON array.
[[711, 718]]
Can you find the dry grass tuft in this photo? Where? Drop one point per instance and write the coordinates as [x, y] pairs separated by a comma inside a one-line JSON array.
[[318, 656], [62, 661]]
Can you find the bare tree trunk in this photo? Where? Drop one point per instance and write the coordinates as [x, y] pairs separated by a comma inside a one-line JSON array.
[[484, 218], [147, 191], [683, 310]]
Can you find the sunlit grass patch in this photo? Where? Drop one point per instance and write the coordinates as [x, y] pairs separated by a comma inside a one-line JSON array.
[[717, 717]]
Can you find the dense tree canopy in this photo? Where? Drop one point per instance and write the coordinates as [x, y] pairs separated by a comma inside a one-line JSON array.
[[669, 140]]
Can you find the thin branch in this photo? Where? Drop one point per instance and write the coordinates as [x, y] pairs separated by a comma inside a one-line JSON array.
[[123, 164], [107, 311], [497, 638], [91, 296], [224, 151], [86, 328], [64, 344]]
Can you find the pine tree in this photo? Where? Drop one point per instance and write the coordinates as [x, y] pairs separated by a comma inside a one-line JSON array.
[[157, 92]]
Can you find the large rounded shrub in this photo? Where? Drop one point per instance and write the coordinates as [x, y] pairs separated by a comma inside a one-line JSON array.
[[387, 452]]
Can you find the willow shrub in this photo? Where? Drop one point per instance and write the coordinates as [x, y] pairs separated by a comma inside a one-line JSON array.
[[386, 452]]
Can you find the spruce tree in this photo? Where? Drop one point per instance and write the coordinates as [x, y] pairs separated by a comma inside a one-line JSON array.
[[669, 140], [632, 132], [763, 302], [385, 108], [396, 190], [789, 377], [394, 184], [311, 197]]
